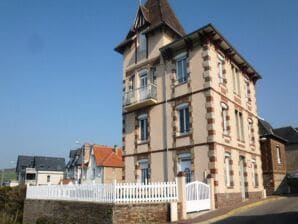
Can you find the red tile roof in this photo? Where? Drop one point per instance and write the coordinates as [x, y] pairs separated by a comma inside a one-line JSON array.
[[107, 156]]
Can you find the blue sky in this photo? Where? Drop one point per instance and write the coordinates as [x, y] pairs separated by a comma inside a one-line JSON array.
[[60, 80]]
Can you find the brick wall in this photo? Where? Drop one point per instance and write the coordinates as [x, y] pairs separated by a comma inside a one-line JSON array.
[[93, 213]]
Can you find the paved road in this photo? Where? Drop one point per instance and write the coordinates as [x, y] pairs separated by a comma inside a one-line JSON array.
[[283, 211]]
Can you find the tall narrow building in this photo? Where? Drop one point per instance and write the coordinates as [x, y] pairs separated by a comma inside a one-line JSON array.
[[189, 105]]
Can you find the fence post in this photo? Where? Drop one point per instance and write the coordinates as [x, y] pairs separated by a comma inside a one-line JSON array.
[[114, 191], [210, 182], [181, 184]]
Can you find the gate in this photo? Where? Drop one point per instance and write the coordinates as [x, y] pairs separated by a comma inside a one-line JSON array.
[[197, 196]]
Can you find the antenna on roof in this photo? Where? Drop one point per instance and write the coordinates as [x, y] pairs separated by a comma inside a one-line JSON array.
[[140, 2]]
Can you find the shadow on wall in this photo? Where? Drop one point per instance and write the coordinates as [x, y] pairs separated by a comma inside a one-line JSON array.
[[287, 217], [283, 188]]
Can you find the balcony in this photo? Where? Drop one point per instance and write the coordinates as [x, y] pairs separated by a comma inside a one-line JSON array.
[[141, 97]]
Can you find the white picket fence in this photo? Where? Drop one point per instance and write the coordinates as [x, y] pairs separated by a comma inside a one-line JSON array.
[[124, 193]]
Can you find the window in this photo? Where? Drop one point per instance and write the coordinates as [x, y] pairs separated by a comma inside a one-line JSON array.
[[247, 90], [236, 81], [220, 66], [239, 125], [143, 88], [153, 72], [181, 68], [143, 80], [144, 167], [48, 179], [132, 84], [250, 132], [183, 113], [141, 47], [184, 165], [224, 114], [142, 41], [143, 126], [254, 173], [278, 154], [227, 169]]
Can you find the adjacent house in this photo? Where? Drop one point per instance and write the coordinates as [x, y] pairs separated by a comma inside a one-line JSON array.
[[189, 104], [105, 165], [274, 162], [291, 135], [77, 164], [39, 170], [94, 164]]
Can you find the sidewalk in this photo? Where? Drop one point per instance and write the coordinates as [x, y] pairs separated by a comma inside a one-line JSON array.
[[222, 213]]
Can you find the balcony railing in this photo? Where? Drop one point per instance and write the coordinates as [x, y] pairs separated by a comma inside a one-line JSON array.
[[140, 97]]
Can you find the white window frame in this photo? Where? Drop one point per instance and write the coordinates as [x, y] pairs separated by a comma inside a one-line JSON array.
[[184, 76], [143, 75], [142, 118], [227, 169], [179, 108]]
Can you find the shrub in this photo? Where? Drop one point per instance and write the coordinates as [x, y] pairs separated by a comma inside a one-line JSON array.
[[12, 204]]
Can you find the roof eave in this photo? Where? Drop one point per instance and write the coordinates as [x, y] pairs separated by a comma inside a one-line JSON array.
[[208, 29]]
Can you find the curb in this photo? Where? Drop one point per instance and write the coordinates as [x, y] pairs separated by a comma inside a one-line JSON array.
[[241, 209]]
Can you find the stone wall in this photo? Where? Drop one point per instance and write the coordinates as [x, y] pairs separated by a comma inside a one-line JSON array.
[[93, 213], [228, 199]]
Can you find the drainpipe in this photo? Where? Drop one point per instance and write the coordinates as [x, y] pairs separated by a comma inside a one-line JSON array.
[[165, 122]]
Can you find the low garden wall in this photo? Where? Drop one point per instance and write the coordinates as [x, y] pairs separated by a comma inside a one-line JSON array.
[[67, 212]]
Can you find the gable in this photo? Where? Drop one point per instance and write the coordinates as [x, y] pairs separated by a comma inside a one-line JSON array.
[[141, 19]]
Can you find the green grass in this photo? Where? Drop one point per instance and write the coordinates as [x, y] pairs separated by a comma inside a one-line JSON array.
[[9, 174]]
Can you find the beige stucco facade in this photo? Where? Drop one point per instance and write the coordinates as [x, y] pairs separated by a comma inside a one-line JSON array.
[[49, 177], [207, 142]]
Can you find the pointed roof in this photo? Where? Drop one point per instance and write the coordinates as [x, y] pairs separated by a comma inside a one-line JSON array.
[[156, 13], [161, 12]]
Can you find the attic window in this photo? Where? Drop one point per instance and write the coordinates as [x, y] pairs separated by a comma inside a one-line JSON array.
[[142, 42]]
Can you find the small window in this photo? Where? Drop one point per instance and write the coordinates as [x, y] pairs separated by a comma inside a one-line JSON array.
[[48, 179], [143, 127], [278, 157], [184, 165], [183, 114], [236, 80], [247, 90], [250, 131], [227, 169], [181, 68], [224, 114], [239, 125], [144, 167], [220, 66], [254, 173]]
